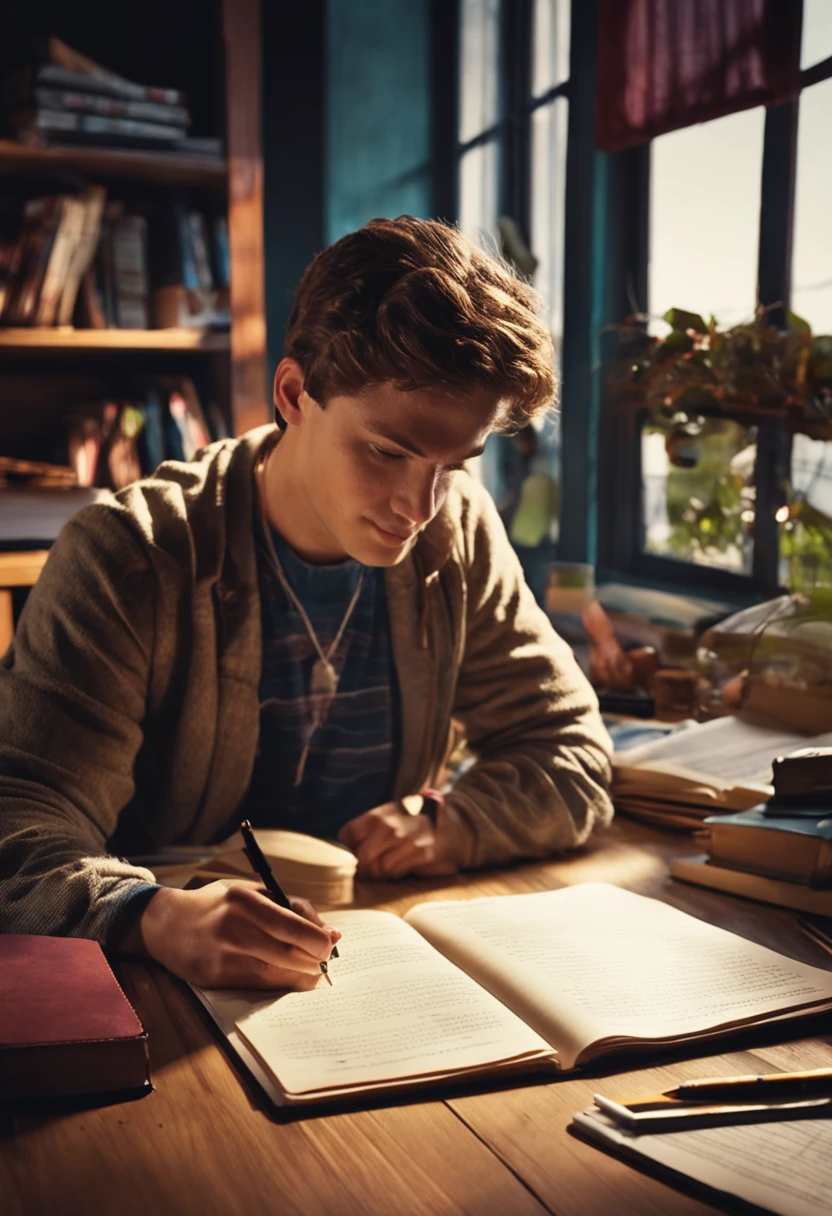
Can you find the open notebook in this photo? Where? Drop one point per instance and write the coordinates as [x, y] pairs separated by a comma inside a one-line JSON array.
[[508, 984]]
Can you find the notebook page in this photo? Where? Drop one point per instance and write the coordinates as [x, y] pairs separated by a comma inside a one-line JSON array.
[[396, 1009], [592, 962], [727, 750], [755, 1162]]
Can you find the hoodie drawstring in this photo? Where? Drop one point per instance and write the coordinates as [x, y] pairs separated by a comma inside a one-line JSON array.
[[432, 578]]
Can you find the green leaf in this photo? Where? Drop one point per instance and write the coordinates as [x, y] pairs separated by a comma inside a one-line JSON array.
[[677, 318], [796, 324], [677, 342]]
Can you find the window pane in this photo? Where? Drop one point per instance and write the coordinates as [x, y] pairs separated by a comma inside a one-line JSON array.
[[550, 52], [816, 41], [479, 77], [705, 218], [812, 259], [806, 536], [704, 513], [549, 125], [478, 178]]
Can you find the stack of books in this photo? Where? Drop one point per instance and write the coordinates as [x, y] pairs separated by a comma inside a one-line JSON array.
[[62, 96], [720, 766], [775, 854]]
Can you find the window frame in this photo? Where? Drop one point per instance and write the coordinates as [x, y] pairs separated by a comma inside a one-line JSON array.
[[620, 516]]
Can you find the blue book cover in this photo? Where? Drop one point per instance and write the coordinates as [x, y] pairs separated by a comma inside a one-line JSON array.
[[795, 847]]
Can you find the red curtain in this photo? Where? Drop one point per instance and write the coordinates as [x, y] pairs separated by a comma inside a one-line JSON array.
[[665, 64]]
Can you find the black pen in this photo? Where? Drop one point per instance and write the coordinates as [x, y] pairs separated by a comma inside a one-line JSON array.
[[264, 871]]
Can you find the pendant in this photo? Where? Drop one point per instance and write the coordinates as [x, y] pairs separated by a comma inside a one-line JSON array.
[[324, 679]]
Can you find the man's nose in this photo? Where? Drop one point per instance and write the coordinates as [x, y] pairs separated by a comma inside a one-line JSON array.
[[415, 497]]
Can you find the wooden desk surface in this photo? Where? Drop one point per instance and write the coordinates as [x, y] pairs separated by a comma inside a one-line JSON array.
[[201, 1144]]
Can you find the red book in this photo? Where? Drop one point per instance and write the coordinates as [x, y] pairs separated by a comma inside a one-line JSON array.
[[66, 1027]]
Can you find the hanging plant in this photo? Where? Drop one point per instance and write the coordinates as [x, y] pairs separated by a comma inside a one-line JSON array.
[[700, 370]]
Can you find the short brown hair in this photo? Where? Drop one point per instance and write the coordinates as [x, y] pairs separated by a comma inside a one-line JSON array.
[[415, 303]]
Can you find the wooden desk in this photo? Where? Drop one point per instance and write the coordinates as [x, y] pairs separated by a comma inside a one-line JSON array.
[[16, 570], [200, 1144]]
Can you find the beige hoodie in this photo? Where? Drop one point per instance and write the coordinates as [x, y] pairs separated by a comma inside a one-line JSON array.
[[129, 702]]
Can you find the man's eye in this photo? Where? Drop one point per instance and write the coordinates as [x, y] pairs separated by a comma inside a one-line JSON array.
[[454, 468], [385, 455]]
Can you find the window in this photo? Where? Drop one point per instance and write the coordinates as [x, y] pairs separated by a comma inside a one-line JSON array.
[[704, 218], [514, 67], [749, 505], [812, 258], [698, 494], [816, 40]]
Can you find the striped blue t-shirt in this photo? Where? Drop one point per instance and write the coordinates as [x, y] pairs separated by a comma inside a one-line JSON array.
[[350, 765]]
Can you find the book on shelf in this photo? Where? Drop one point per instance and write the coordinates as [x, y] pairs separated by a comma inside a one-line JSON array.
[[129, 292], [189, 267], [719, 766], [113, 443], [108, 446], [83, 250], [40, 220], [53, 245], [508, 985], [780, 1167], [783, 893], [56, 65], [66, 1027], [85, 102], [79, 257], [38, 127]]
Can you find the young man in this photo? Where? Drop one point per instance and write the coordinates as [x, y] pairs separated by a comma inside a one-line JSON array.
[[285, 628]]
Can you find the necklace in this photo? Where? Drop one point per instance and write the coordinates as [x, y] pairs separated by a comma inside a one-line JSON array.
[[324, 682]]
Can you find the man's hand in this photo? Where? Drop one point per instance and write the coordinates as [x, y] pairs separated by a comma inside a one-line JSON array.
[[389, 843], [233, 937]]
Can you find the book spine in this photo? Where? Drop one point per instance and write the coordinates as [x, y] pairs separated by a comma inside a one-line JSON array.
[[129, 254], [39, 238], [48, 121], [118, 107], [83, 253], [67, 237], [112, 86]]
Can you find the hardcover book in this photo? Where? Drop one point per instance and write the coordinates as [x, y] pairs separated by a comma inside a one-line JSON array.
[[66, 1027]]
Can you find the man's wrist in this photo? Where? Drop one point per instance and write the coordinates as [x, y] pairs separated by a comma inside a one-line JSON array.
[[454, 838], [432, 803]]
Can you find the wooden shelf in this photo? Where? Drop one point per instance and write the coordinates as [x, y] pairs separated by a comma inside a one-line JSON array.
[[165, 168], [67, 341]]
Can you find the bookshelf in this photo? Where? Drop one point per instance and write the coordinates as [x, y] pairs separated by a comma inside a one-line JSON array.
[[211, 50], [85, 341], [162, 168]]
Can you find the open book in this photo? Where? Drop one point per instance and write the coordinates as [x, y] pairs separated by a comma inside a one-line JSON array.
[[508, 984], [722, 765]]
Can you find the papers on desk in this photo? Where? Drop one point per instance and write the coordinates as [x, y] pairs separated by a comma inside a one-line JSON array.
[[784, 1168], [722, 765]]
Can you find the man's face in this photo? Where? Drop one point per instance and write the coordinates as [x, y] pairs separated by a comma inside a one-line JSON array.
[[375, 468]]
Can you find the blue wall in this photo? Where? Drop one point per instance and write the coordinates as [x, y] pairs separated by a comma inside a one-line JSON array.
[[378, 112]]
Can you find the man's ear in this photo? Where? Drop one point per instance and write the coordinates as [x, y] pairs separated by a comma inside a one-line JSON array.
[[288, 390]]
